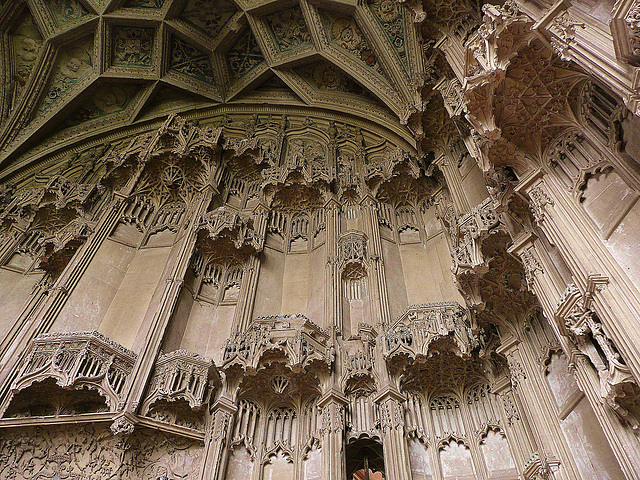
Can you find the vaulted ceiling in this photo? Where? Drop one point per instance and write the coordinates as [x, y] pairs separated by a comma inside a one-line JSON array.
[[73, 68]]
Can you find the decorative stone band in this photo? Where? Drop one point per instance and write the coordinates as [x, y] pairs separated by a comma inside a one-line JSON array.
[[180, 375], [469, 232], [300, 340], [77, 360], [421, 325]]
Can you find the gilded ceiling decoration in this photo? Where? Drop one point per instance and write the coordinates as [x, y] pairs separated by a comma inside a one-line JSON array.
[[135, 57]]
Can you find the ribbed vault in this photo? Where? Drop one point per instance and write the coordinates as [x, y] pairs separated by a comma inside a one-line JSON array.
[[79, 67]]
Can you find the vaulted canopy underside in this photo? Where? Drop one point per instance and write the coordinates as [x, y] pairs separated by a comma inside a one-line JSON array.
[[73, 67]]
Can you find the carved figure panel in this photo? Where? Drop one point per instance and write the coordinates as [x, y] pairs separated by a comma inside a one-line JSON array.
[[209, 16], [344, 32], [26, 43], [73, 63]]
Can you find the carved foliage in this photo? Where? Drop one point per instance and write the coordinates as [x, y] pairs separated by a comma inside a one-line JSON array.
[[65, 11], [289, 29], [91, 452], [244, 55], [390, 15], [191, 61]]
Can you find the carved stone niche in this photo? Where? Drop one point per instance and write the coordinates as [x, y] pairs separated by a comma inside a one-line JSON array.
[[358, 364], [225, 225], [178, 157], [618, 387], [58, 194], [422, 325], [625, 28], [398, 178], [469, 233], [302, 181], [59, 213], [352, 247], [359, 386], [301, 341], [60, 247], [77, 360], [392, 164], [180, 375]]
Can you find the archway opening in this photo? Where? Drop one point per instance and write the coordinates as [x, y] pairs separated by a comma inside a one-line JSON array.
[[365, 460]]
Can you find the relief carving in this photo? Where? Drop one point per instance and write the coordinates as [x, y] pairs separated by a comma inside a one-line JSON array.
[[91, 451]]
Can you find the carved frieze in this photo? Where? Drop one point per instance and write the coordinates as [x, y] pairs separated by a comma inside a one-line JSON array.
[[55, 452]]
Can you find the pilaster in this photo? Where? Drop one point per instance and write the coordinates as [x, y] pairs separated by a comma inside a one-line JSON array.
[[332, 303], [454, 182], [394, 443], [332, 406], [160, 311], [244, 309], [533, 398], [217, 439], [380, 300], [46, 302]]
